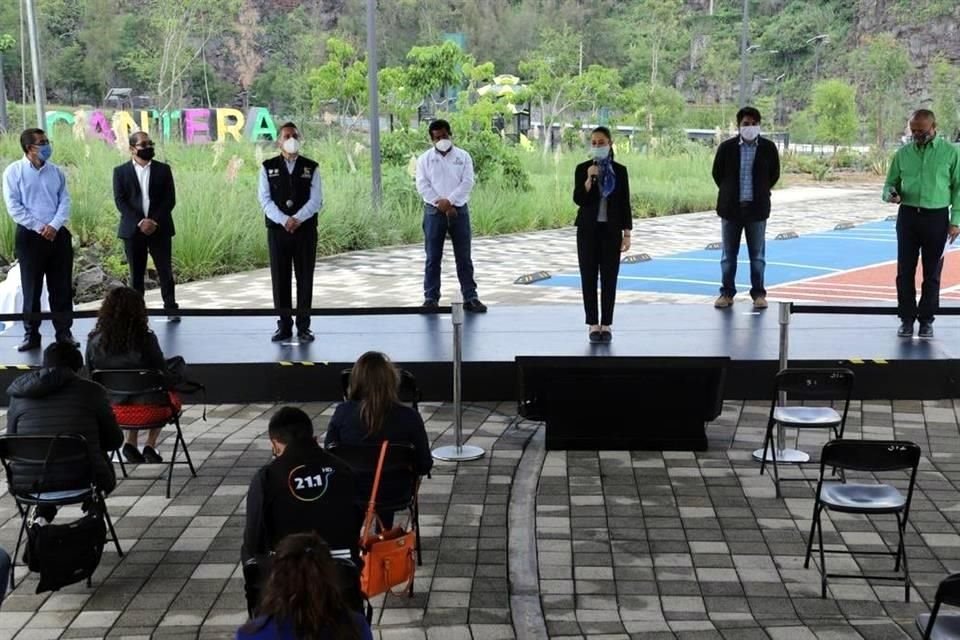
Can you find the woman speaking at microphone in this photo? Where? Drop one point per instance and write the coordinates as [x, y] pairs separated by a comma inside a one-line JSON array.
[[604, 222]]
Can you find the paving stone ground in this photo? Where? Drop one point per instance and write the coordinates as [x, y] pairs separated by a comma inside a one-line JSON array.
[[628, 544]]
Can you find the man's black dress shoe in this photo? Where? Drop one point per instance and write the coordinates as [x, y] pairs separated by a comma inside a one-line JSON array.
[[67, 338], [905, 330], [29, 344], [281, 334], [474, 306], [305, 336], [926, 330]]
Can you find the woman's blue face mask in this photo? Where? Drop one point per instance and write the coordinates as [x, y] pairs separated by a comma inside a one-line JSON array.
[[600, 153]]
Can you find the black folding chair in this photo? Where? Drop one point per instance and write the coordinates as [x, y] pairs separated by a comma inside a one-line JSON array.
[[805, 385], [136, 382], [408, 391], [50, 471], [399, 480], [870, 456], [942, 626]]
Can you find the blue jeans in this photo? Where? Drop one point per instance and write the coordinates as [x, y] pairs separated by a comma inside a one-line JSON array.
[[436, 226], [730, 234]]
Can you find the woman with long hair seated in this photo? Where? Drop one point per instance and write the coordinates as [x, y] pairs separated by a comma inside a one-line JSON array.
[[373, 413], [122, 339], [302, 598]]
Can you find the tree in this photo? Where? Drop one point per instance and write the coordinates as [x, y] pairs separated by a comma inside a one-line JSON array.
[[944, 88], [835, 108], [659, 108], [7, 42], [341, 80], [882, 64], [174, 38], [551, 76]]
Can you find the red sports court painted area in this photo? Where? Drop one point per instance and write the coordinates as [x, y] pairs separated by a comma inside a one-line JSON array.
[[874, 283]]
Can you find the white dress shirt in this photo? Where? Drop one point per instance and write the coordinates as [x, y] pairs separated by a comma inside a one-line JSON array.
[[143, 177], [445, 176], [273, 212]]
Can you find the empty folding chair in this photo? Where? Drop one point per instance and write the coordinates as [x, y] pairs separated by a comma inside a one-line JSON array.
[[801, 385], [871, 499], [942, 626]]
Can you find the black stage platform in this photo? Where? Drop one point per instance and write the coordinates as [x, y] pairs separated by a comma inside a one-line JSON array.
[[234, 357]]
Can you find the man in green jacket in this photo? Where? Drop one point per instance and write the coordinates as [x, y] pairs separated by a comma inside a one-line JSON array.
[[924, 179]]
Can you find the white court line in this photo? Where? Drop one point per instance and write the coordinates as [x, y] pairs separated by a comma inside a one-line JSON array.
[[822, 296], [712, 283], [825, 237], [739, 262], [831, 285], [846, 271]]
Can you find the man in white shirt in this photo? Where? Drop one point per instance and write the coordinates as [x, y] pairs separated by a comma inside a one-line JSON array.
[[145, 195], [444, 181]]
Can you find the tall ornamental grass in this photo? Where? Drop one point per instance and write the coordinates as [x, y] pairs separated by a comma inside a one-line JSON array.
[[220, 227]]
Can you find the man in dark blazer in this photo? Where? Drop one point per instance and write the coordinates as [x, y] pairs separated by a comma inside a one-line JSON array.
[[145, 195], [745, 169]]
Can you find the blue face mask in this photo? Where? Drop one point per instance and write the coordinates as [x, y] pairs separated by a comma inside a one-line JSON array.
[[44, 151], [600, 153]]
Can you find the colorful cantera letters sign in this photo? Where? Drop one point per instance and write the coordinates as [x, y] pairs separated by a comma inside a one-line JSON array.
[[194, 126]]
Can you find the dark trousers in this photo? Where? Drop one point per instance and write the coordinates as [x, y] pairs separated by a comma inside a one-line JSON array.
[[160, 249], [731, 231], [41, 258], [292, 254], [921, 233], [598, 251], [436, 226]]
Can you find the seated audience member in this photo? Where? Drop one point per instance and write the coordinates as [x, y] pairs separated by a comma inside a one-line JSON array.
[[54, 400], [122, 339], [373, 413], [303, 489], [302, 599]]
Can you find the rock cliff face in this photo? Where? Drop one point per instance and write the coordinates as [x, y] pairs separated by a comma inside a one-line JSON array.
[[328, 10], [925, 39]]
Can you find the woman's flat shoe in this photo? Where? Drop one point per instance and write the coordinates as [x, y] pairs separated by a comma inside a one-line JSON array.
[[606, 336], [595, 336]]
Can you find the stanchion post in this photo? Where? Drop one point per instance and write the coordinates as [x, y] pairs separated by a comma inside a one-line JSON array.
[[458, 452], [784, 455]]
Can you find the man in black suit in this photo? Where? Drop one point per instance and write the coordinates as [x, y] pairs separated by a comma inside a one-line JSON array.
[[145, 195], [745, 169]]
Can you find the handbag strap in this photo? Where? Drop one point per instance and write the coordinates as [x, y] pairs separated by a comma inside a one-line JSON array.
[[371, 506]]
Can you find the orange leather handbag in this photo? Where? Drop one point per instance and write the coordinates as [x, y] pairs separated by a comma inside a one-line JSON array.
[[389, 557]]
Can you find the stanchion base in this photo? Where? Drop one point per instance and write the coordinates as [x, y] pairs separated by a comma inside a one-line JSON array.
[[453, 453], [784, 456]]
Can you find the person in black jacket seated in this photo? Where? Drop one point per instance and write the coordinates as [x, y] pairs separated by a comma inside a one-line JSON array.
[[601, 188], [55, 400], [745, 169], [303, 489], [373, 413], [122, 339]]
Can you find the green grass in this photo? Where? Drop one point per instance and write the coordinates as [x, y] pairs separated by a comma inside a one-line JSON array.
[[220, 227]]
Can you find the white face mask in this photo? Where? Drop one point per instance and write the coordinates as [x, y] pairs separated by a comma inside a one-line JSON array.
[[291, 146], [443, 145], [600, 153], [750, 133]]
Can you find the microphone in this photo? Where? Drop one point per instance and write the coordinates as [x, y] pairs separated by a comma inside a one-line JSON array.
[[593, 178]]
